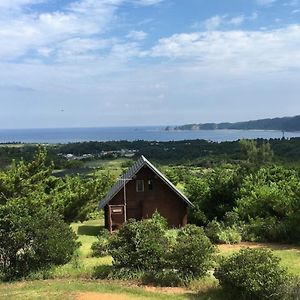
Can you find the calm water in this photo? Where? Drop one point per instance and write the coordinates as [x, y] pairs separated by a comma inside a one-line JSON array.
[[67, 135]]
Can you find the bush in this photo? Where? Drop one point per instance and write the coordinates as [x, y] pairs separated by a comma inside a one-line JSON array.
[[146, 250], [291, 289], [193, 253], [32, 237], [100, 248], [252, 274], [165, 277], [139, 245], [159, 221], [220, 234], [264, 230], [102, 272]]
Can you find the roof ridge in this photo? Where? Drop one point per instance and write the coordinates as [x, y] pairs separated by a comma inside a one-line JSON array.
[[130, 173]]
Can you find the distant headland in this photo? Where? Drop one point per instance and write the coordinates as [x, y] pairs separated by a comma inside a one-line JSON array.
[[283, 124]]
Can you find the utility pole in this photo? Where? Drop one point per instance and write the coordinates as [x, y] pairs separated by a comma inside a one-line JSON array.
[[125, 180]]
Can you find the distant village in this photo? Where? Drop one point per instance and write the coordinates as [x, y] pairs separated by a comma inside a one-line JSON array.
[[103, 154]]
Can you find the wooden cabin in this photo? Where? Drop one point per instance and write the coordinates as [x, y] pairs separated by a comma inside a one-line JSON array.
[[141, 191]]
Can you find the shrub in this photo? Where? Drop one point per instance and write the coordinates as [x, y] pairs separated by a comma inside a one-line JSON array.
[[165, 277], [32, 237], [220, 234], [291, 288], [139, 245], [252, 274], [145, 250], [193, 253], [264, 230], [100, 248], [159, 220], [102, 272]]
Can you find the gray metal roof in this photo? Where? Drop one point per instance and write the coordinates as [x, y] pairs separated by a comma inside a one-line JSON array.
[[141, 162]]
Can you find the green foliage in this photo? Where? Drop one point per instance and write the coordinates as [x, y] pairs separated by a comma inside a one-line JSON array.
[[193, 254], [23, 179], [164, 277], [252, 274], [143, 249], [255, 154], [269, 204], [139, 245], [100, 248], [213, 194], [218, 233], [73, 197], [171, 175], [159, 220], [32, 237], [76, 198], [198, 191]]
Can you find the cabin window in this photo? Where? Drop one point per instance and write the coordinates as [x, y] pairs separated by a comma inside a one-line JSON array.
[[140, 185], [150, 185]]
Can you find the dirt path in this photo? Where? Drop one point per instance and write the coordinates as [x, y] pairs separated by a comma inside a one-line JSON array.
[[258, 245], [102, 296]]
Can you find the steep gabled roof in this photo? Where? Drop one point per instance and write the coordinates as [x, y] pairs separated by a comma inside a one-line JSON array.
[[141, 162]]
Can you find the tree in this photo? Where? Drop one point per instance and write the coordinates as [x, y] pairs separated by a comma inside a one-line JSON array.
[[213, 194], [252, 274], [255, 154], [269, 200], [75, 198], [33, 236]]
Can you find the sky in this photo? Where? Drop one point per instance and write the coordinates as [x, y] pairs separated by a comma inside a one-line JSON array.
[[94, 63]]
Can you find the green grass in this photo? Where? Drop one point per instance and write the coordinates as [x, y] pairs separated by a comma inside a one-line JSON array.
[[96, 167], [83, 266], [76, 276], [63, 289], [114, 166]]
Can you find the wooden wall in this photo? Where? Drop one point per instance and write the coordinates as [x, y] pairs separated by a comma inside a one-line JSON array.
[[141, 205]]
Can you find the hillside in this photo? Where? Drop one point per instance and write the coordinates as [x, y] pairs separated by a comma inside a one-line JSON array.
[[285, 124]]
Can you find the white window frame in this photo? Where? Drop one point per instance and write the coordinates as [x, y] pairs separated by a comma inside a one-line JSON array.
[[139, 181]]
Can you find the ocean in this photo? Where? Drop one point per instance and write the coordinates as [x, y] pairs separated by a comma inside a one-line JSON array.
[[149, 133]]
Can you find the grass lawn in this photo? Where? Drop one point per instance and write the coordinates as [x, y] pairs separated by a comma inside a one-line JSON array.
[[113, 166], [74, 280], [97, 167], [84, 289]]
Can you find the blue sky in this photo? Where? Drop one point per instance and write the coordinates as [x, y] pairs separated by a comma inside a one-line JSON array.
[[147, 62]]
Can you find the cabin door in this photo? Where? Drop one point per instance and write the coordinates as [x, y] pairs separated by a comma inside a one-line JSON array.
[[116, 216]]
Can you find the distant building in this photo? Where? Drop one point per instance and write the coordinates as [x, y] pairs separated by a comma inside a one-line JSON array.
[[140, 192]]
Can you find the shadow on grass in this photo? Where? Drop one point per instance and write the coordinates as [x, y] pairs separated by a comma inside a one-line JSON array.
[[213, 294], [89, 230]]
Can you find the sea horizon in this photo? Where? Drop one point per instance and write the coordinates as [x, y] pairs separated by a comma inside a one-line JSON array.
[[131, 133]]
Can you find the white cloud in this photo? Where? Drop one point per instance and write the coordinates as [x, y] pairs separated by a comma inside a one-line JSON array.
[[265, 2], [24, 33], [244, 51], [70, 56], [16, 4], [237, 20], [213, 22], [217, 21], [147, 2], [137, 35]]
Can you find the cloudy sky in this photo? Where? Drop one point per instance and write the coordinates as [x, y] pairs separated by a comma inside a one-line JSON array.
[[66, 63]]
